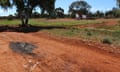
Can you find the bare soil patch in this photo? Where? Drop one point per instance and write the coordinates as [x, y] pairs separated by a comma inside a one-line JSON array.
[[53, 56]]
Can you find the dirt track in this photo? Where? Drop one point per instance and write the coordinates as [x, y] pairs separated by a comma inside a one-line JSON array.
[[109, 22], [53, 56]]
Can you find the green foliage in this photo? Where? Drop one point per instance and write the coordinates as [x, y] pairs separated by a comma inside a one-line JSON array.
[[79, 7], [60, 12], [10, 17], [99, 14], [107, 41], [35, 15], [114, 13], [5, 3], [89, 33], [29, 5], [45, 5]]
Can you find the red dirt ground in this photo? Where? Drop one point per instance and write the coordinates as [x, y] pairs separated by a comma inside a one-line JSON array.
[[106, 22], [54, 56], [58, 54]]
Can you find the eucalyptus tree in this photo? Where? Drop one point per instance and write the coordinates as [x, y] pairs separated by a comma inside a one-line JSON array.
[[5, 3], [48, 6], [80, 7], [29, 5], [59, 12]]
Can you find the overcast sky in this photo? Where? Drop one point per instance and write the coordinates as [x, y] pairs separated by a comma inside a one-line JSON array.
[[102, 5]]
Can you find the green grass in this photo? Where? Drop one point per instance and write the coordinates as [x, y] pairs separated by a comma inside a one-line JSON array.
[[88, 34], [45, 22], [112, 33], [63, 23], [9, 22]]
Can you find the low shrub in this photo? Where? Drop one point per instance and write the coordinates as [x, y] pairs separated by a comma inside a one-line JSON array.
[[89, 34], [107, 41], [10, 17]]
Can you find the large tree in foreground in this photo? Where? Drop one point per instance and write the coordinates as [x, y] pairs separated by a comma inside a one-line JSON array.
[[79, 7], [29, 5], [5, 3]]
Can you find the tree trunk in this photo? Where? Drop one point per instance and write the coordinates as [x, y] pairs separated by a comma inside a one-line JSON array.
[[24, 22]]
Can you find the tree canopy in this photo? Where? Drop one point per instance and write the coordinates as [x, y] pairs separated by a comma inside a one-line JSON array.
[[25, 7], [79, 7], [5, 3], [59, 12], [45, 5]]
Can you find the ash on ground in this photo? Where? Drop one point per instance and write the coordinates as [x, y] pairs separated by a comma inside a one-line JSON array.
[[22, 47]]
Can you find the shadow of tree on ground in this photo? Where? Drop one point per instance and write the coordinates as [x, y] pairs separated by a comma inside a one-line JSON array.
[[26, 29]]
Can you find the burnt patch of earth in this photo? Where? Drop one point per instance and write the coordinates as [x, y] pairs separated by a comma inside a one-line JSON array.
[[22, 47]]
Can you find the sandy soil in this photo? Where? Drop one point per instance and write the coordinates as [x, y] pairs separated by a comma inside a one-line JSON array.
[[53, 56]]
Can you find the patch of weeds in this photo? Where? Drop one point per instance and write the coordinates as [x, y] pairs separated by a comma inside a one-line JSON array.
[[86, 29], [107, 41], [89, 33]]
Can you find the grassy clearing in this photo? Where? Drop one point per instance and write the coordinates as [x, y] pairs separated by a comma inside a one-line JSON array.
[[109, 34], [100, 35], [63, 23], [45, 22], [9, 22]]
